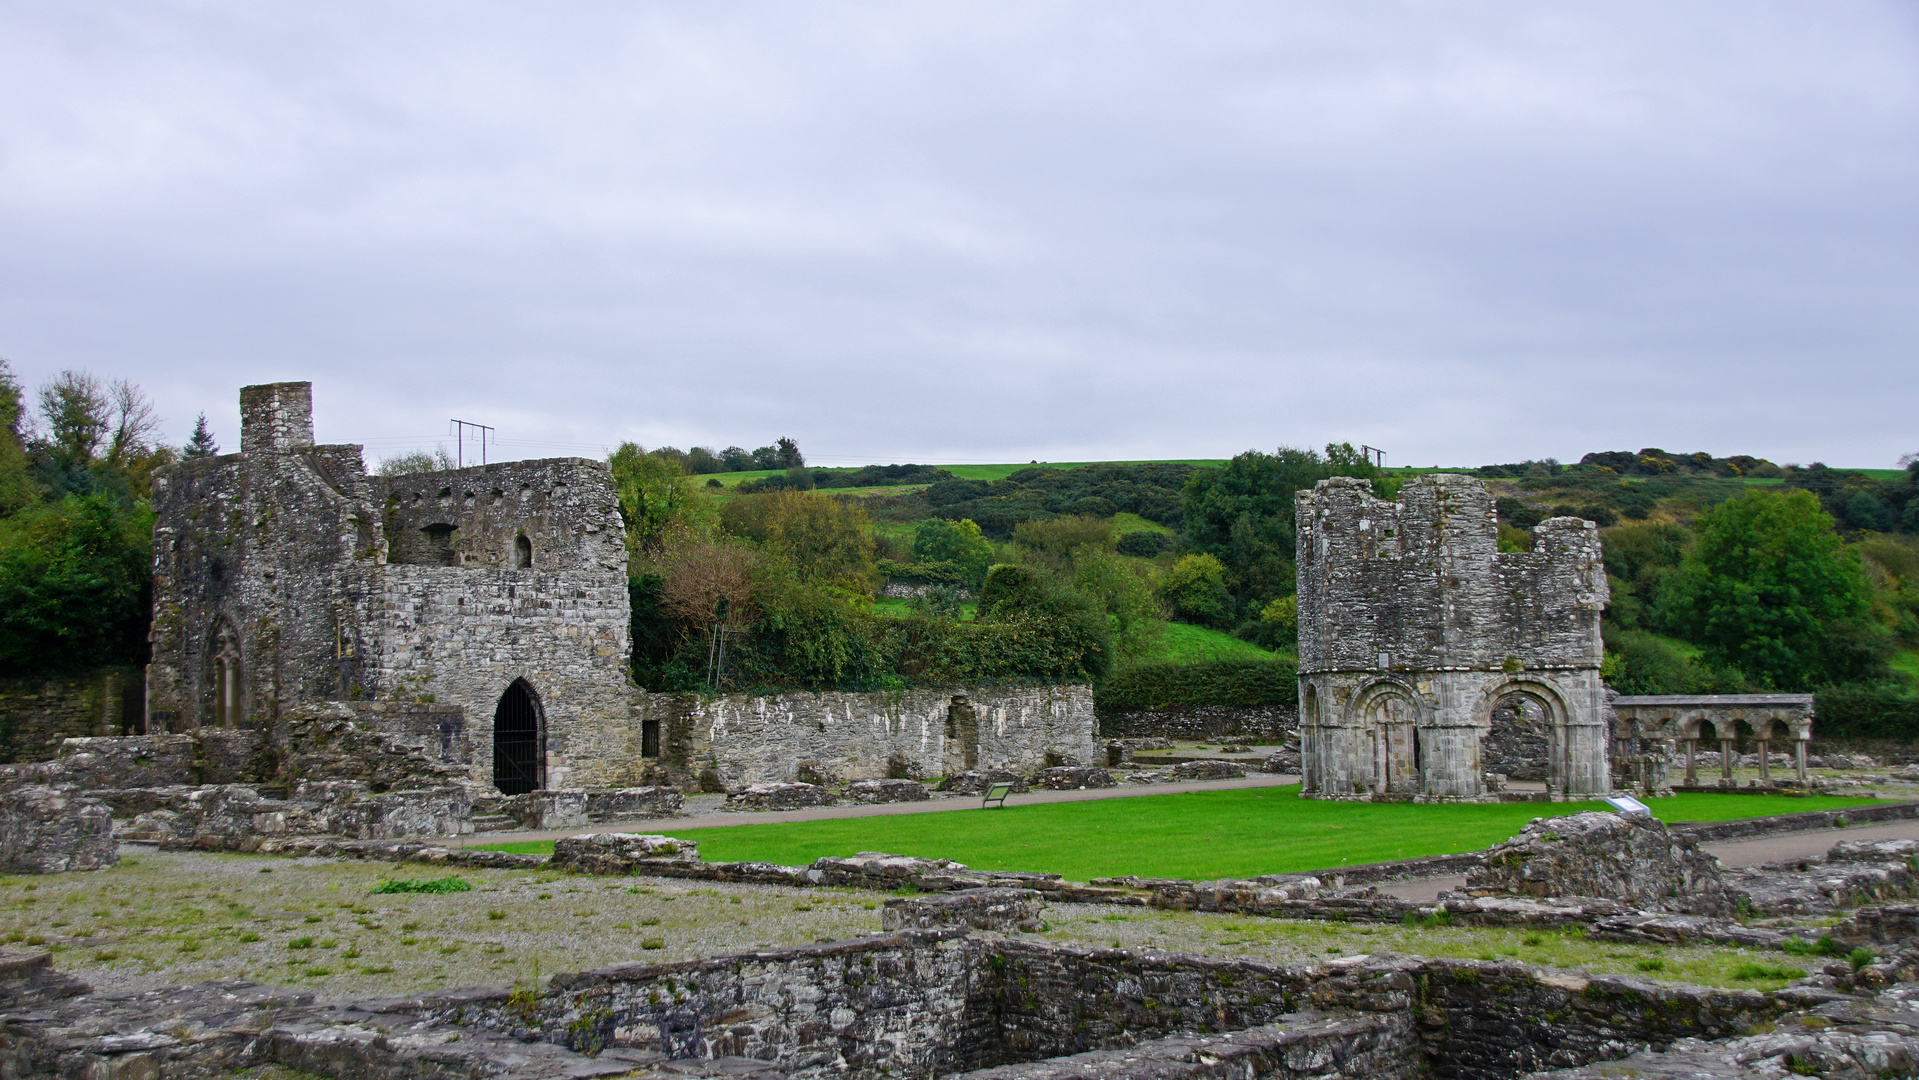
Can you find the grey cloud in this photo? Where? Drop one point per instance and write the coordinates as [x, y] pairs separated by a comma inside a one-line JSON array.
[[999, 232]]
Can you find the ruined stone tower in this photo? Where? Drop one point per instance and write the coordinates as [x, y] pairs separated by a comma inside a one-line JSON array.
[[1413, 627], [481, 613]]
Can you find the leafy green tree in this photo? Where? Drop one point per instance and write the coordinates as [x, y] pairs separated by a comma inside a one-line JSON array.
[[201, 443], [418, 461], [961, 543], [1195, 588], [1061, 537], [17, 490], [789, 453], [656, 496], [826, 540], [1124, 590], [1769, 588], [1242, 514], [74, 581]]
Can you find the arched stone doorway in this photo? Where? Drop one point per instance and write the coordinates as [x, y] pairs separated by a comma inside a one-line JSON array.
[[1389, 712], [519, 744], [1538, 717]]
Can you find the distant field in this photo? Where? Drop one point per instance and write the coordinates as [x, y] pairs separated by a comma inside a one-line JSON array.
[[1907, 663], [1124, 523], [1187, 644], [1197, 835]]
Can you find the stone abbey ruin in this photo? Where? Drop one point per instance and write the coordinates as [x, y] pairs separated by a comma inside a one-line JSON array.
[[346, 666], [1416, 633], [480, 616]]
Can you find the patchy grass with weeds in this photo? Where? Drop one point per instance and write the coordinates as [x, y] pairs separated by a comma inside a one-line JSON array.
[[168, 918]]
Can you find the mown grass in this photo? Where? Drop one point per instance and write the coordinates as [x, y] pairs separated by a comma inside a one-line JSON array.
[[1196, 835], [1183, 643]]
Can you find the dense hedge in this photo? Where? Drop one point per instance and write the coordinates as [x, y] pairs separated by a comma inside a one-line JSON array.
[[1245, 684], [1865, 712]]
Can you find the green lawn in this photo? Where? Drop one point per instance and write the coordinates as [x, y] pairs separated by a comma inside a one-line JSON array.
[[1197, 835], [1187, 644]]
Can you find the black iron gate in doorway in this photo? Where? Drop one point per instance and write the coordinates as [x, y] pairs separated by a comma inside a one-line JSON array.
[[519, 756]]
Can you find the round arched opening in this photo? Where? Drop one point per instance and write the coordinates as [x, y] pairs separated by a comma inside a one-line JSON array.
[[519, 751], [1518, 745]]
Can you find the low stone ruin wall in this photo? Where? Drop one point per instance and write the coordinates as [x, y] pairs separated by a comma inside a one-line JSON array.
[[912, 1003], [824, 738]]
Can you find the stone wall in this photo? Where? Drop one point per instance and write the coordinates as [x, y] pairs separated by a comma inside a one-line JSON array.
[[853, 736], [912, 1003], [37, 713]]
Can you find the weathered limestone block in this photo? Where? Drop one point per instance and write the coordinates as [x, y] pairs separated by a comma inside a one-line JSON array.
[[44, 831], [870, 867], [618, 854], [1300, 1045], [976, 781], [1004, 910], [1630, 858], [347, 808], [1285, 761], [1073, 777], [779, 797], [1815, 888], [574, 808], [132, 761], [887, 791], [1658, 928], [1880, 924], [1209, 770], [1873, 851], [28, 979]]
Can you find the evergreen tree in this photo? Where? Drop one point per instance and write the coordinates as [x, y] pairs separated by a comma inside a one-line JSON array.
[[201, 444]]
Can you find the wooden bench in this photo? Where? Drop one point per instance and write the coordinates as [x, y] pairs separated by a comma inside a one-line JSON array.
[[996, 793]]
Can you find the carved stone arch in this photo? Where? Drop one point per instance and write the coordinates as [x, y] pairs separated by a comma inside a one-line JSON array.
[[224, 698], [1393, 713], [1554, 712]]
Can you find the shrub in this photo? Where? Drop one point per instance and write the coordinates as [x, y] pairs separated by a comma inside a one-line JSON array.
[[1227, 683], [1145, 544], [1195, 588], [1867, 712]]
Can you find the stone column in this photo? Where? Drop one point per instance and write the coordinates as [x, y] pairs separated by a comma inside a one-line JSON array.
[[1725, 762], [1765, 762], [1799, 755], [1692, 763]]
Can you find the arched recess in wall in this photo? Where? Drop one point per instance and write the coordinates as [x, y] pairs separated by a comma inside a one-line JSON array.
[[1391, 712], [519, 740], [1518, 740], [226, 685], [522, 552], [1527, 718]]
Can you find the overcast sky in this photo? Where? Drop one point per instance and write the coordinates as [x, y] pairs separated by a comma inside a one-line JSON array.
[[981, 232]]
